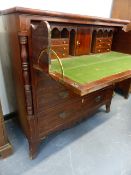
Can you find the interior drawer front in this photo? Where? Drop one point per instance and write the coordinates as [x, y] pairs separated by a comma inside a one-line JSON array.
[[99, 41], [103, 41], [103, 45], [99, 45], [60, 48], [59, 41], [107, 45], [63, 54], [98, 50], [101, 50], [108, 40]]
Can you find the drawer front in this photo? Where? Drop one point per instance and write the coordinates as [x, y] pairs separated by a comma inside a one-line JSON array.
[[61, 115], [61, 50], [101, 50], [60, 55], [103, 41], [108, 40], [54, 118], [59, 41], [98, 97], [103, 45], [47, 101]]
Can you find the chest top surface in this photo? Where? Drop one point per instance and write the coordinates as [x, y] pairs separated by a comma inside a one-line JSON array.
[[77, 18]]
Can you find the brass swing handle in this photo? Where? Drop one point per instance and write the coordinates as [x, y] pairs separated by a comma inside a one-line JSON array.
[[48, 50]]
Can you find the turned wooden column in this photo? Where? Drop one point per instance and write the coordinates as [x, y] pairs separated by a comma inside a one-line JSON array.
[[5, 146]]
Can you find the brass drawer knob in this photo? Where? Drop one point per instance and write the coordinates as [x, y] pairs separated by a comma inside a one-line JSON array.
[[64, 48], [63, 54], [108, 49], [99, 50], [109, 44], [98, 99], [64, 42], [100, 45], [99, 40]]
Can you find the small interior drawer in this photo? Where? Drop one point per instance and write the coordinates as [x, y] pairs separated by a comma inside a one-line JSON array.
[[102, 49], [103, 40], [61, 50], [63, 54], [103, 45], [59, 41]]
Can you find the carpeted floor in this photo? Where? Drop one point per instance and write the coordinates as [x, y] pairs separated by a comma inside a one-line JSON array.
[[100, 145]]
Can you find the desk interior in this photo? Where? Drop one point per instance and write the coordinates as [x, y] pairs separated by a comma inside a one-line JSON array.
[[89, 68]]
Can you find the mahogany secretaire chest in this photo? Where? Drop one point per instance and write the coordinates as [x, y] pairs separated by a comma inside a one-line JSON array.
[[45, 105]]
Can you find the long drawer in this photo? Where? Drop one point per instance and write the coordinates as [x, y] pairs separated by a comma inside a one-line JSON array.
[[55, 98]]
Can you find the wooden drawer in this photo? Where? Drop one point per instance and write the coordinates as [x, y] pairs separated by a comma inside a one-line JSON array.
[[63, 54], [103, 40], [59, 41], [46, 101], [98, 97], [61, 115], [101, 50], [103, 45], [52, 120], [61, 50], [108, 39], [99, 41]]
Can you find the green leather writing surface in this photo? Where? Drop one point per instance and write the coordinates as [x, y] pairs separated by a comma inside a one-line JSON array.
[[88, 68]]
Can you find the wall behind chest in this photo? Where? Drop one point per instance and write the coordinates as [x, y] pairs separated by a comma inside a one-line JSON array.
[[101, 8], [7, 94], [121, 9]]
